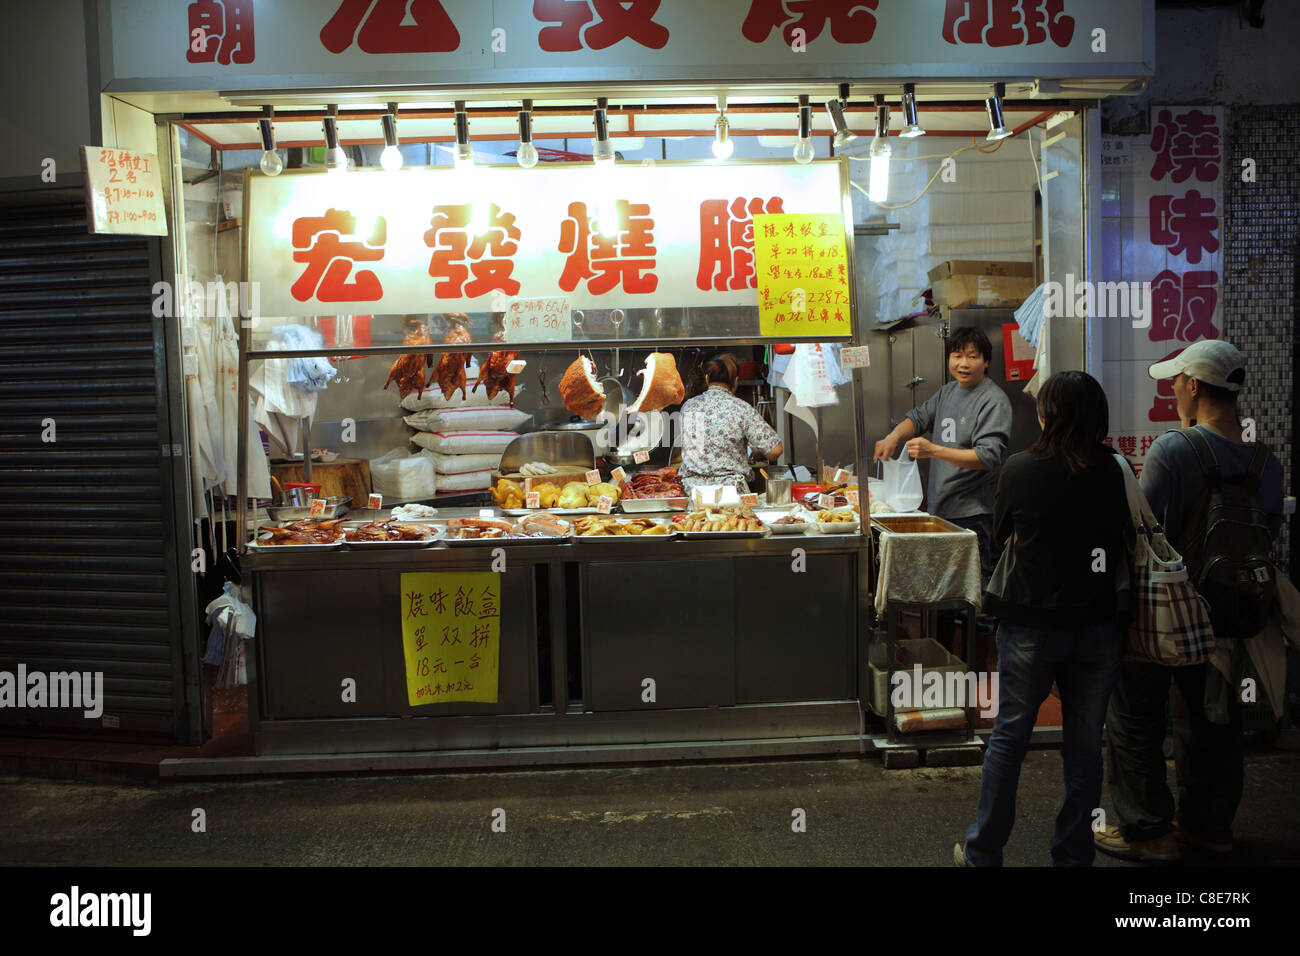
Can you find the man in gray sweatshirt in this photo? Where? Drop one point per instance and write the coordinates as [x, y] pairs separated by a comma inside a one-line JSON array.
[[969, 419]]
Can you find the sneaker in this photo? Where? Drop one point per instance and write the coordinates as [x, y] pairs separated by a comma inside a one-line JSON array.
[[1160, 850], [958, 855], [1187, 836]]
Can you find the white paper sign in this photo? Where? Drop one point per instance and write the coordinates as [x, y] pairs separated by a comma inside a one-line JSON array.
[[539, 320], [854, 357], [123, 192]]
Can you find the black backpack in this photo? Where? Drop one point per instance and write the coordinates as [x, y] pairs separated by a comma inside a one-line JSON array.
[[1227, 545]]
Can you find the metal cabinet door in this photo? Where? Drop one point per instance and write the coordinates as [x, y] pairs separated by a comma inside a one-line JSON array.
[[795, 632], [670, 620]]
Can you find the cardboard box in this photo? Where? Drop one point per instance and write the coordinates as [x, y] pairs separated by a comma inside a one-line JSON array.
[[983, 291], [929, 653], [973, 267]]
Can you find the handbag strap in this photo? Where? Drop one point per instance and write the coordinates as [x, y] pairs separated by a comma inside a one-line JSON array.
[[1138, 508]]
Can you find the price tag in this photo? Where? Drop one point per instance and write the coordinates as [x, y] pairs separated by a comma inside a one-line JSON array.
[[855, 357], [593, 476], [617, 475], [641, 457], [749, 500], [826, 501], [604, 504], [375, 502], [486, 513], [843, 476], [318, 507], [532, 499], [852, 495]]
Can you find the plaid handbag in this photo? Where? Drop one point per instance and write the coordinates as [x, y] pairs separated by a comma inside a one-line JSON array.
[[1171, 621]]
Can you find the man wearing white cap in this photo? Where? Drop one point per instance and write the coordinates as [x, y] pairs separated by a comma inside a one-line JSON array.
[[1208, 377]]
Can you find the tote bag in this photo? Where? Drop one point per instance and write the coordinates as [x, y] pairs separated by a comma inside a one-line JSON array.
[[1171, 621]]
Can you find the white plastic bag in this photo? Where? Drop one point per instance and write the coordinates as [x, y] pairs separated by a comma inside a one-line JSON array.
[[902, 482], [808, 378]]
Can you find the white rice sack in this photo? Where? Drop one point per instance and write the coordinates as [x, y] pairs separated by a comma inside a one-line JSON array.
[[467, 419], [432, 398], [462, 464], [470, 481], [465, 443], [401, 476]]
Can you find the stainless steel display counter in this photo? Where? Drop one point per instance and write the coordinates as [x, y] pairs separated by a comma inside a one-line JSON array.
[[746, 652]]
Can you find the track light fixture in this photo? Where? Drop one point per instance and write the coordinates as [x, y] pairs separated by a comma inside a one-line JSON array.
[[391, 157], [526, 155], [911, 122], [464, 155], [997, 125], [803, 149], [271, 163], [723, 147], [602, 150], [336, 160], [835, 107]]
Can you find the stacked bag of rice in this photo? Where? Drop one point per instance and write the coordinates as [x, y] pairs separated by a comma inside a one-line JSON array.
[[463, 436]]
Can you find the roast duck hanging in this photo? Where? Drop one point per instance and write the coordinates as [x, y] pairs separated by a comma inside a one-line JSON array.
[[495, 374], [449, 373], [408, 370]]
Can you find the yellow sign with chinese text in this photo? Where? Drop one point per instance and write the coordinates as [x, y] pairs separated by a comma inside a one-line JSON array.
[[803, 278], [451, 636]]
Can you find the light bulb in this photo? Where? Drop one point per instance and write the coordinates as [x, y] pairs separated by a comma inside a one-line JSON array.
[[271, 163], [878, 184], [804, 152], [723, 147], [526, 155], [391, 158], [602, 151], [336, 161], [464, 155]]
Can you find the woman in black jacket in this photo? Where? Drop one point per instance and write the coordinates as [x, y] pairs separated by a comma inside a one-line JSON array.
[[1063, 517]]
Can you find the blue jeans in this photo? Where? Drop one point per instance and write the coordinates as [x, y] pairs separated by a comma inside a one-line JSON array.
[[1084, 662]]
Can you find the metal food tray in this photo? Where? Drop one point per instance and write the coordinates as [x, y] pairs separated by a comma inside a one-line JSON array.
[[513, 540], [642, 505], [703, 535], [294, 548], [841, 527], [915, 524], [558, 512], [627, 537], [338, 506], [396, 545]]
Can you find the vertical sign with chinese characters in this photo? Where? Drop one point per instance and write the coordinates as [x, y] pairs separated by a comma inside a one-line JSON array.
[[451, 636], [123, 192], [802, 268], [1169, 193]]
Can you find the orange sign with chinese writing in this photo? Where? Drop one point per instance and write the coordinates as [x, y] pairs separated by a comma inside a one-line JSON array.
[[451, 636], [803, 280]]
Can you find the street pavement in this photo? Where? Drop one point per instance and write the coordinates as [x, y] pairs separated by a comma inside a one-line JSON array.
[[856, 813]]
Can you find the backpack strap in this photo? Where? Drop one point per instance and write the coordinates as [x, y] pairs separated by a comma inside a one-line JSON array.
[[1204, 455], [1258, 462]]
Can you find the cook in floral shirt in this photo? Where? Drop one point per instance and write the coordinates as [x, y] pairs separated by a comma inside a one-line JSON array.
[[718, 429]]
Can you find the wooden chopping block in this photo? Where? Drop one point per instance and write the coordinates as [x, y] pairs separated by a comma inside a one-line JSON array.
[[343, 476]]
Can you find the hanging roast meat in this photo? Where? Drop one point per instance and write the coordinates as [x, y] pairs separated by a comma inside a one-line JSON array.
[[493, 375], [408, 370], [449, 373]]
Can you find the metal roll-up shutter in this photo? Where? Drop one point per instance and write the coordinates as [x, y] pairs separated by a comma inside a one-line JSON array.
[[87, 563]]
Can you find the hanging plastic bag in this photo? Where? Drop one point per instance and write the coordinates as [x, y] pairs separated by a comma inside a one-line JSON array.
[[902, 482], [808, 378]]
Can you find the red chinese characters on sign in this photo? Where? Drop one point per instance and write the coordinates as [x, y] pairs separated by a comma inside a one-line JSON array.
[[383, 30], [851, 21], [319, 242], [727, 242], [1185, 145], [999, 23], [221, 32], [1183, 306], [615, 20], [1185, 224], [606, 259], [489, 254]]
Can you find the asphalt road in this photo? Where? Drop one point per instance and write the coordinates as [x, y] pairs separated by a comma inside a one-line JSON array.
[[856, 813]]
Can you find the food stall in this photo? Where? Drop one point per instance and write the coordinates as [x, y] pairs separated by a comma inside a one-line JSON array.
[[702, 630]]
